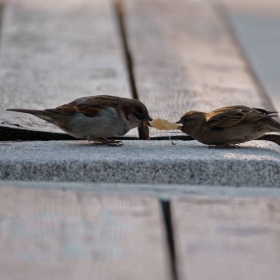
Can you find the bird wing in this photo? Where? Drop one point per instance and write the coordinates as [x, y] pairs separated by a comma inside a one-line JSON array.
[[233, 115], [89, 106]]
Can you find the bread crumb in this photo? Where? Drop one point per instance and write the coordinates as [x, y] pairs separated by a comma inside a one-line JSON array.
[[162, 124]]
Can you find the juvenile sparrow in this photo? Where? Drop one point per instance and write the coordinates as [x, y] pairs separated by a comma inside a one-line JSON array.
[[229, 125], [96, 117]]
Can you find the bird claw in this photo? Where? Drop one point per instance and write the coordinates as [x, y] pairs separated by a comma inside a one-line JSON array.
[[212, 147], [107, 142], [115, 143], [226, 146]]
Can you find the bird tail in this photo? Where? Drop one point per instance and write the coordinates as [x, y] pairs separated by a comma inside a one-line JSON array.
[[44, 115]]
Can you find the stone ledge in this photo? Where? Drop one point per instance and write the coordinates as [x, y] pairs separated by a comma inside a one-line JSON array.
[[161, 191], [256, 163]]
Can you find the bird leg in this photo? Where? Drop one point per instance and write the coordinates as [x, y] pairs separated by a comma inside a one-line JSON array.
[[225, 146], [107, 142], [114, 141]]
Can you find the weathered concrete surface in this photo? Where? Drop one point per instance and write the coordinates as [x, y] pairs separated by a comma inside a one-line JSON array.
[[256, 163], [162, 191]]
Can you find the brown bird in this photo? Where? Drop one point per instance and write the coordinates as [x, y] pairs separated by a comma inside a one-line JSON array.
[[96, 118], [229, 126]]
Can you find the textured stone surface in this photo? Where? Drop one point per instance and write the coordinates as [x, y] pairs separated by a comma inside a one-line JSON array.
[[162, 191], [256, 163]]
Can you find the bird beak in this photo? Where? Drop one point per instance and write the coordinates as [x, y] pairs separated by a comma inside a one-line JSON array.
[[146, 120], [180, 124]]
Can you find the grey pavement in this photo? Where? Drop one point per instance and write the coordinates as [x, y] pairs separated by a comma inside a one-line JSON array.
[[259, 37], [162, 191], [255, 164]]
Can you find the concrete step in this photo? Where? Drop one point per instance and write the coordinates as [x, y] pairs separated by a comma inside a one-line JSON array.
[[162, 191], [255, 163]]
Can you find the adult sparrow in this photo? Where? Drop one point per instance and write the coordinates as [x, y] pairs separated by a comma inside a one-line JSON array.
[[96, 117], [229, 125]]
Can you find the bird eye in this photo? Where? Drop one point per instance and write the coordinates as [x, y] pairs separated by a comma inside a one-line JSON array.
[[139, 116]]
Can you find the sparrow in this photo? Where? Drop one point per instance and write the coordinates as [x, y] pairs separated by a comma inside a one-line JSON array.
[[95, 118], [228, 126]]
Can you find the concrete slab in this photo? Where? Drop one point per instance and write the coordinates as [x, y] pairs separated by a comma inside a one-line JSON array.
[[256, 163], [161, 191]]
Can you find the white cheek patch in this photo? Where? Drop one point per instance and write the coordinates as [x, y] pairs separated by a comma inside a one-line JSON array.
[[133, 122]]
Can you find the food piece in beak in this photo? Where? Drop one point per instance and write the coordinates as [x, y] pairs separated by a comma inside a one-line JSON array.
[[162, 124]]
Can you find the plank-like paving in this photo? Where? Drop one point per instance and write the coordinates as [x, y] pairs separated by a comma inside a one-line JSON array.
[[174, 56], [54, 53], [68, 235], [185, 58], [226, 239], [74, 231]]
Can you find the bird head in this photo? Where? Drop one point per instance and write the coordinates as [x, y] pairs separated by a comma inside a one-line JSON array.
[[137, 113], [189, 120]]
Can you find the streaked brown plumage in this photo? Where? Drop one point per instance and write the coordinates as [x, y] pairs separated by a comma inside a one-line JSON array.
[[229, 125], [95, 118]]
